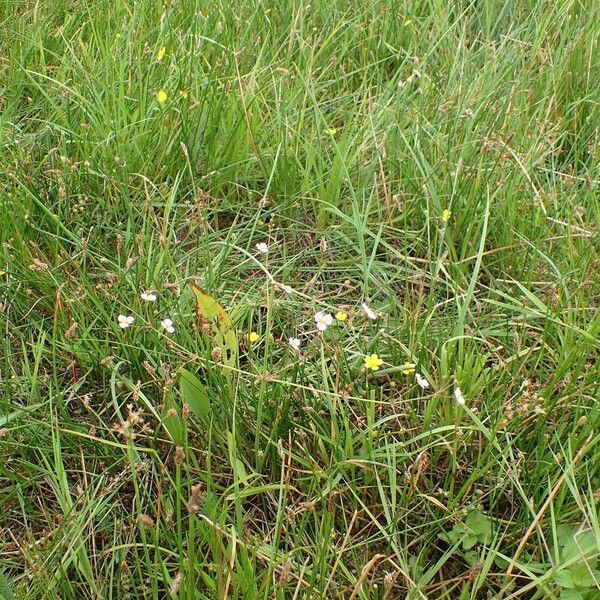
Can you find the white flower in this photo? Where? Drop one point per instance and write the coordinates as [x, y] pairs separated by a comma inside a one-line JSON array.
[[323, 320], [262, 247], [167, 325], [294, 343], [423, 383], [369, 312], [125, 321], [148, 296], [458, 396]]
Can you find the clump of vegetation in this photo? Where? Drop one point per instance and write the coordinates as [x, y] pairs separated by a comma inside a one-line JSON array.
[[299, 300]]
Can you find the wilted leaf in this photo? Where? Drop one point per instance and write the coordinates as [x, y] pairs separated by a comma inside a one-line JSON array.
[[210, 314]]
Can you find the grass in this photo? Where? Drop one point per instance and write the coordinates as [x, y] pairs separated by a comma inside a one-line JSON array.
[[437, 160]]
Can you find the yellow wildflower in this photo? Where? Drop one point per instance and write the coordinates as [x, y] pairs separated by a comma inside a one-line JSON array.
[[161, 96], [373, 362], [408, 368], [408, 22], [253, 337], [446, 214], [332, 130], [160, 54], [341, 315]]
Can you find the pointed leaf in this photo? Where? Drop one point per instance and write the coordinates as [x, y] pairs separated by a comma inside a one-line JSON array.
[[172, 421], [480, 525], [194, 394]]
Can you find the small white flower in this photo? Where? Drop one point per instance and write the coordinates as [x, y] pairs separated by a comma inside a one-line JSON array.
[[458, 396], [262, 247], [323, 320], [294, 343], [167, 325], [148, 296], [369, 312], [423, 383], [125, 321]]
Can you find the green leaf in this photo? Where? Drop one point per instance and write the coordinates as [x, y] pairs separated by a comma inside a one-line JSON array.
[[172, 421], [452, 536], [564, 534], [6, 592], [469, 542], [194, 394], [501, 562], [583, 577], [480, 525], [570, 594], [583, 544], [239, 471], [564, 579]]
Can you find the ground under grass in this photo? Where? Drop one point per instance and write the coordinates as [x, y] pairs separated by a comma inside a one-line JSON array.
[[436, 161]]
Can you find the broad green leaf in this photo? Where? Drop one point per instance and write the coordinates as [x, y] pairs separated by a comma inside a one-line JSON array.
[[194, 394], [172, 421], [469, 542], [564, 534], [583, 577], [210, 313], [564, 579], [582, 544], [480, 525], [571, 594]]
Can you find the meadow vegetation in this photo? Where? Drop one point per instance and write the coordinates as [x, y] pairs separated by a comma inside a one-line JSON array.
[[299, 299]]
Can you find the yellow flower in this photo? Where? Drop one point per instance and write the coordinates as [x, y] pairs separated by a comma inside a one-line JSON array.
[[408, 22], [408, 368], [446, 214], [161, 96], [183, 93], [253, 337], [373, 362], [332, 131], [341, 315], [160, 54]]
